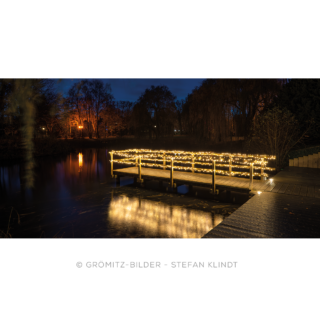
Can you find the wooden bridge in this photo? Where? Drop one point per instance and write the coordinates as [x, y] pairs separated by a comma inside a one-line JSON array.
[[230, 172]]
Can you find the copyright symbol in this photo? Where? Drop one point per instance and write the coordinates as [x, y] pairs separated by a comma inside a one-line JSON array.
[[79, 264]]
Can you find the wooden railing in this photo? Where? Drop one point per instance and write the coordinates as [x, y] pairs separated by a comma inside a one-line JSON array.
[[229, 164]]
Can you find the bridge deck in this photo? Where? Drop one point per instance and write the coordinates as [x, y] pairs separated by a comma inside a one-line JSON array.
[[291, 181], [200, 179]]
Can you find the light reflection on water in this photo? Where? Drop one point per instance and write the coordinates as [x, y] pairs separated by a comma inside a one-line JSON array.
[[72, 196], [80, 161], [161, 220]]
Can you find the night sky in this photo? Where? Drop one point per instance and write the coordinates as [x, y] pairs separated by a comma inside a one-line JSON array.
[[131, 89]]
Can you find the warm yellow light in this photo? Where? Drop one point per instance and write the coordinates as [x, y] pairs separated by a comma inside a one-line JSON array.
[[80, 160], [271, 180], [190, 159], [80, 127], [259, 192]]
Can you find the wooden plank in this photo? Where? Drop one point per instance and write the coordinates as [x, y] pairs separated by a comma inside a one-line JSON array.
[[257, 187], [310, 192], [296, 190], [303, 191], [277, 187], [283, 188], [300, 162], [270, 188], [290, 189], [305, 161], [265, 186], [226, 182], [230, 182], [314, 162], [186, 177], [310, 160], [245, 185], [241, 182]]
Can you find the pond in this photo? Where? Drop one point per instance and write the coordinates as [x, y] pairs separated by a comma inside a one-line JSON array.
[[75, 197]]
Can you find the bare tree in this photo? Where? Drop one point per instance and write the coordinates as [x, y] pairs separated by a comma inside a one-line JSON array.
[[275, 133], [88, 105], [75, 99], [102, 97]]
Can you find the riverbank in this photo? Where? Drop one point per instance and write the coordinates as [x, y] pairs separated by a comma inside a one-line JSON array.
[[12, 149]]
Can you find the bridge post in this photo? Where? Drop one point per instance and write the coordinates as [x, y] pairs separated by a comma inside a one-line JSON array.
[[230, 165], [136, 161], [251, 176], [171, 174], [164, 161], [262, 169], [111, 162], [139, 170], [214, 177], [192, 163]]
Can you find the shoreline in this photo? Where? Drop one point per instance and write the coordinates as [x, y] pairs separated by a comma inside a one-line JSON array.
[[12, 149]]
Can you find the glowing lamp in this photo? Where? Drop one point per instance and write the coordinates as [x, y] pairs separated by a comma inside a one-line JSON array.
[[259, 192], [80, 127]]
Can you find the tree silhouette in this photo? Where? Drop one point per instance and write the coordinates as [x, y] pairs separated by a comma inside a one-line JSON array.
[[155, 110]]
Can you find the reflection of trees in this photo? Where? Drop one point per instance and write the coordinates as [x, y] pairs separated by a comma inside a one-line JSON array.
[[92, 160], [10, 178]]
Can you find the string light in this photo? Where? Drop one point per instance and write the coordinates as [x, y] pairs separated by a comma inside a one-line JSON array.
[[242, 161], [195, 154]]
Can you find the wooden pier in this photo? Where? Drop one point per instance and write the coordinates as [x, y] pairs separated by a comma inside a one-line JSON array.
[[174, 167]]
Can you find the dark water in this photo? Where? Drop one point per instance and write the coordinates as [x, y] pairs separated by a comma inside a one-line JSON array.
[[74, 196]]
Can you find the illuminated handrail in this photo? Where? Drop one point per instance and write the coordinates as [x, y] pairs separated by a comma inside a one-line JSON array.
[[228, 160], [154, 153]]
